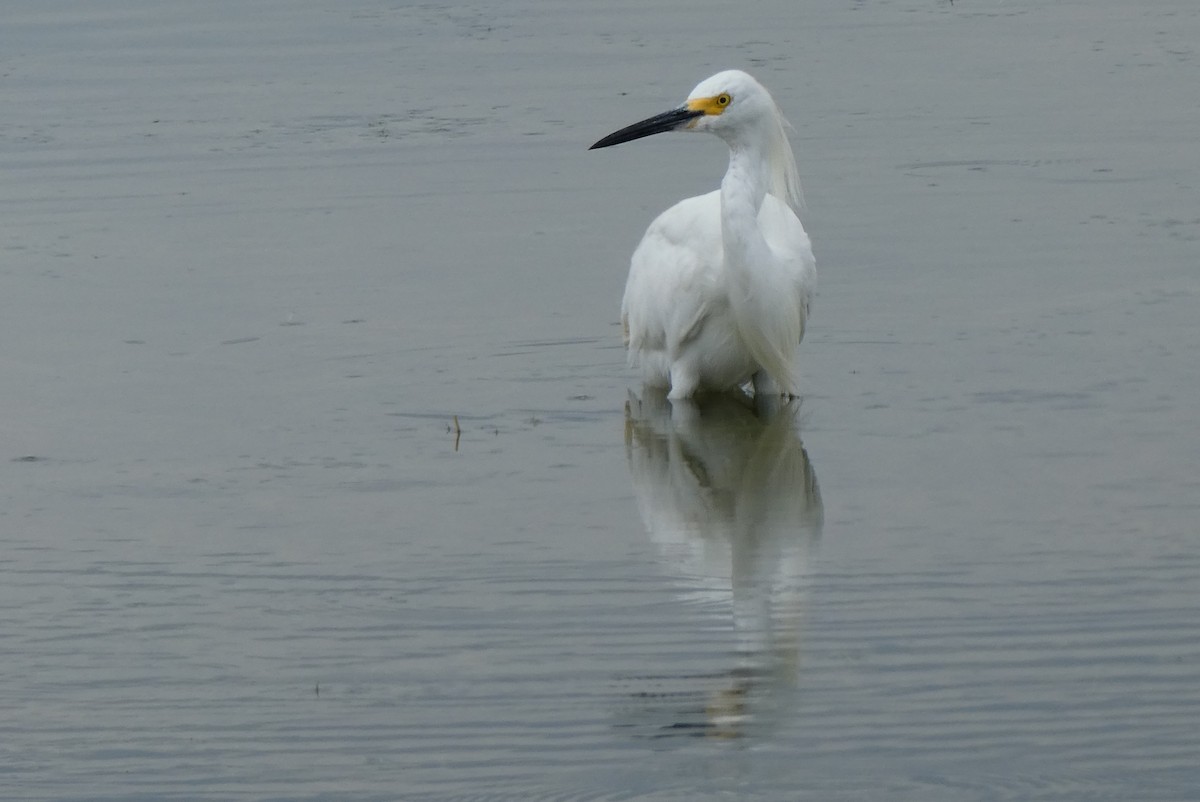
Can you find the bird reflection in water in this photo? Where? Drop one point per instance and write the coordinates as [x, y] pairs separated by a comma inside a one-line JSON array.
[[727, 493]]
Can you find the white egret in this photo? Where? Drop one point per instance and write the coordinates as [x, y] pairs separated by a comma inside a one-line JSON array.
[[719, 288]]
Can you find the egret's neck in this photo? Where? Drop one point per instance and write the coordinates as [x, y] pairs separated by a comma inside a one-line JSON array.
[[742, 192], [747, 178]]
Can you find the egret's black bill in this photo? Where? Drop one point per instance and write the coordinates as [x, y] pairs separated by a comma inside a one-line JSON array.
[[659, 123]]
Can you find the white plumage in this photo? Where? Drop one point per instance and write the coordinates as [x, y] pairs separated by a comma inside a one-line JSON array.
[[720, 287]]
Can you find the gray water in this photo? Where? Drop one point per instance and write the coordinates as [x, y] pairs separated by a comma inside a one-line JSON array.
[[258, 258]]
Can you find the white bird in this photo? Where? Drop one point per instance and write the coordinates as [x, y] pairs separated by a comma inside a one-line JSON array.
[[720, 287]]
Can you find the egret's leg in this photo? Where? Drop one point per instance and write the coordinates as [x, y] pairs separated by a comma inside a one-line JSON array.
[[656, 369], [684, 381], [765, 386], [684, 412]]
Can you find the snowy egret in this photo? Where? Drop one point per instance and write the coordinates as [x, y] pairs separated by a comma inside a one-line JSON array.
[[719, 288]]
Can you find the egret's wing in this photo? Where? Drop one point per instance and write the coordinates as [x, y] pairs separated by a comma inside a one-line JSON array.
[[674, 277]]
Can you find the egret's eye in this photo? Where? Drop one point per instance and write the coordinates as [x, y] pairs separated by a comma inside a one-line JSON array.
[[723, 99]]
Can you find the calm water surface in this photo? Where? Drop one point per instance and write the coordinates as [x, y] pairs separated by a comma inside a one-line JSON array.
[[257, 257]]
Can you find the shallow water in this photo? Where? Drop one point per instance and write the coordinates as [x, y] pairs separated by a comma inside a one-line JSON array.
[[257, 260]]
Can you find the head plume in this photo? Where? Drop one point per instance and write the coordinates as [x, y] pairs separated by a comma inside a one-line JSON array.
[[785, 180]]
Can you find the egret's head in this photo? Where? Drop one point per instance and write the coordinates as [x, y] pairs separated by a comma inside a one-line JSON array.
[[728, 102], [738, 109]]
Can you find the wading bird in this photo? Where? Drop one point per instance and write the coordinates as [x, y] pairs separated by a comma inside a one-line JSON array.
[[720, 286]]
